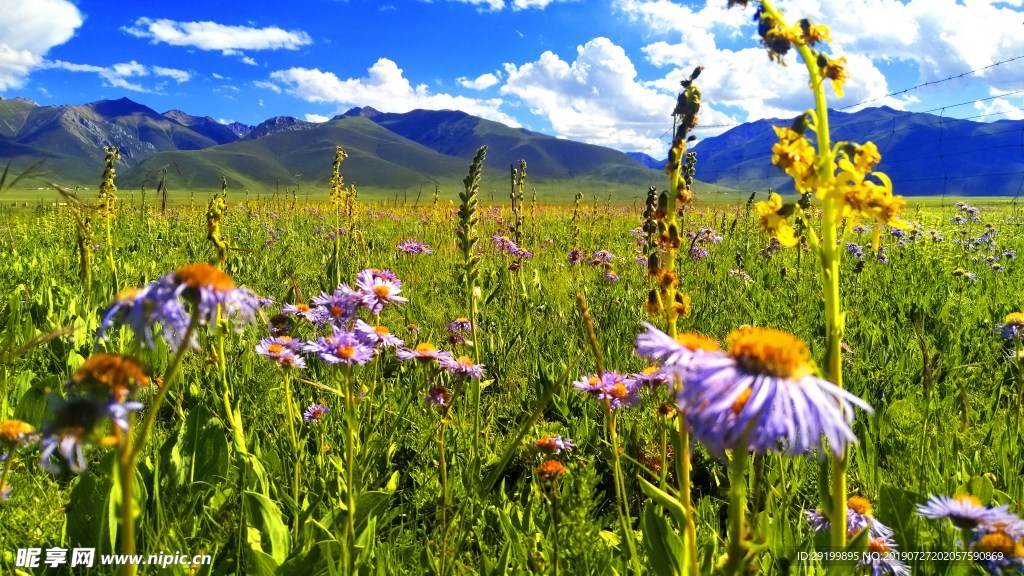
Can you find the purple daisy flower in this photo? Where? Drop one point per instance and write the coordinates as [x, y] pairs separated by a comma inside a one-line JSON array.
[[5, 491], [762, 396], [611, 276], [74, 420], [315, 413], [378, 292], [462, 366], [303, 310], [338, 307], [438, 396], [1012, 325], [651, 377], [675, 354], [377, 336], [460, 326], [575, 256], [965, 511], [138, 308], [341, 347], [424, 351], [208, 289], [612, 387], [550, 444], [881, 560]]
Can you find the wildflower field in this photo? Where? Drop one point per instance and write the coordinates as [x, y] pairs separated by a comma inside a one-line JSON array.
[[827, 386]]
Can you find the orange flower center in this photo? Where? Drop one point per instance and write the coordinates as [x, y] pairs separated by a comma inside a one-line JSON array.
[[382, 290], [381, 330], [337, 311], [12, 431], [878, 546], [112, 372], [551, 469], [860, 505], [425, 348], [275, 348], [768, 351], [694, 341], [346, 351], [302, 307], [204, 276], [649, 370], [968, 499], [465, 361], [618, 391], [1015, 318], [996, 542]]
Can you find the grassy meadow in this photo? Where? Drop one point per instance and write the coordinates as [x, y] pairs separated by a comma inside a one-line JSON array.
[[921, 346]]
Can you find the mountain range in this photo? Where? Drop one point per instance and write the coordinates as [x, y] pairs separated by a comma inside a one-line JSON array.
[[421, 148], [924, 154]]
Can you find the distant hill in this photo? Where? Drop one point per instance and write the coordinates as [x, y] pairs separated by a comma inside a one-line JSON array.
[[923, 154], [206, 126], [459, 134], [647, 160]]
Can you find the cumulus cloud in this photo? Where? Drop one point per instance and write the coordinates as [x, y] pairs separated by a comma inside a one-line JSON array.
[[597, 98], [120, 75], [228, 40], [385, 88], [495, 5], [1001, 108], [482, 82], [943, 37], [28, 31], [318, 118]]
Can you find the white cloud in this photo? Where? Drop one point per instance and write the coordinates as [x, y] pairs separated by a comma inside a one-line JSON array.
[[943, 37], [27, 32], [318, 118], [229, 40], [495, 5], [217, 76], [178, 76], [597, 98], [267, 85], [1000, 109], [249, 60], [385, 88], [482, 82], [484, 4], [118, 75]]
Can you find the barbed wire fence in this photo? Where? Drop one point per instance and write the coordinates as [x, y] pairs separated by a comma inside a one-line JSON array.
[[946, 155]]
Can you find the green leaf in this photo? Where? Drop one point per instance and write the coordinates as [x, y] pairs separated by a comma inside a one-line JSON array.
[[665, 500], [979, 486], [201, 453], [271, 534], [665, 549], [92, 513]]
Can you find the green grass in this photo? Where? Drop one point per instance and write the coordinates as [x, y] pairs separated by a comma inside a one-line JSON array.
[[531, 335]]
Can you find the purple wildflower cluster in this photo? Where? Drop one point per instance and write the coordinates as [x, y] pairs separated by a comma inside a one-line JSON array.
[[163, 303], [773, 246], [507, 245], [699, 241], [880, 558], [993, 530], [414, 247], [761, 395]]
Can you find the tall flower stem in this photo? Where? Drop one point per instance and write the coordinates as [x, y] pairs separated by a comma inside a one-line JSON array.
[[233, 418], [296, 452], [132, 447], [830, 254], [737, 510], [443, 465], [350, 464], [620, 492], [682, 439]]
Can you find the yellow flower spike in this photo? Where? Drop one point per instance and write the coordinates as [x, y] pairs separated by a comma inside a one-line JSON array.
[[771, 222], [815, 33], [794, 154], [867, 157]]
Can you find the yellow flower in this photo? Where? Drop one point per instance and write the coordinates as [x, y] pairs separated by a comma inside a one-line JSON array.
[[867, 157], [794, 154], [866, 198], [835, 70], [773, 223], [814, 33]]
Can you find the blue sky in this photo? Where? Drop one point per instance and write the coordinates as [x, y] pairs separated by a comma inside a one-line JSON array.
[[600, 71]]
